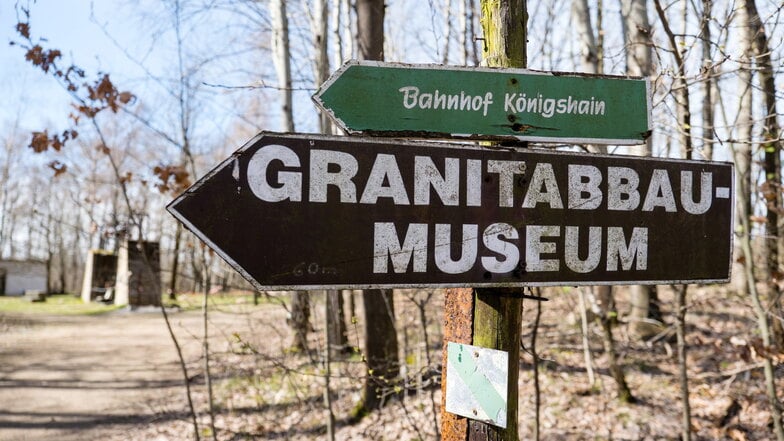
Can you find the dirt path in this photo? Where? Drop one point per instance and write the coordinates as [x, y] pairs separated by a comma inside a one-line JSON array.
[[89, 377]]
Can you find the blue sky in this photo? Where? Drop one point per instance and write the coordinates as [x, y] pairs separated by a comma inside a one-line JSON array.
[[67, 26], [111, 36]]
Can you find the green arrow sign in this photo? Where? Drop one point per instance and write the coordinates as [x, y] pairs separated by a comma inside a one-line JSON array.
[[455, 102]]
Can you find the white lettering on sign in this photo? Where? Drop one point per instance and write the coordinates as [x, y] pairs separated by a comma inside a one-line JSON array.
[[535, 247], [505, 248], [385, 170], [518, 103], [506, 171], [445, 186], [386, 246], [466, 244], [706, 188], [289, 184], [543, 178], [547, 107], [619, 249], [622, 194], [584, 192], [274, 175], [572, 253], [412, 98], [279, 174], [321, 177], [502, 242]]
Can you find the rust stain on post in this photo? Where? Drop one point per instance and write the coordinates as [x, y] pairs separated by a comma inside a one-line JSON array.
[[458, 327]]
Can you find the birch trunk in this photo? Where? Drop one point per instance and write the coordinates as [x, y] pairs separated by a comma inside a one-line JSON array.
[[742, 155], [447, 30], [349, 31], [462, 35], [318, 25], [281, 57], [337, 29], [300, 308]]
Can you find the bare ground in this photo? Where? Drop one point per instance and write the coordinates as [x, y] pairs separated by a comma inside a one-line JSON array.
[[116, 377], [87, 377]]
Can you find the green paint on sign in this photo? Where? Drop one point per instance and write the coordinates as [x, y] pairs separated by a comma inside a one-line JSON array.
[[463, 360], [445, 101]]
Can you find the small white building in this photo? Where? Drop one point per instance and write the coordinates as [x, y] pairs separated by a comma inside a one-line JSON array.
[[18, 276]]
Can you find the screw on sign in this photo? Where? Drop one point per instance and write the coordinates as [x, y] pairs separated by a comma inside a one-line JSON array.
[[318, 212]]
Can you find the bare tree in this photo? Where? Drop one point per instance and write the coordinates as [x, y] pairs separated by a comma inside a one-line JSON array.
[[637, 37], [754, 40], [381, 348], [771, 146], [709, 81]]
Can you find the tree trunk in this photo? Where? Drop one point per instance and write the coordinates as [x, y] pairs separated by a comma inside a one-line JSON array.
[[318, 25], [496, 314], [462, 34], [175, 263], [337, 336], [637, 32], [370, 29], [685, 140], [206, 347], [589, 58], [763, 325], [381, 349], [607, 320], [603, 301], [338, 50], [447, 31], [281, 57], [537, 387], [755, 39], [584, 327], [336, 330], [742, 157], [327, 369], [708, 84], [299, 321], [683, 374], [300, 307], [771, 188], [472, 32]]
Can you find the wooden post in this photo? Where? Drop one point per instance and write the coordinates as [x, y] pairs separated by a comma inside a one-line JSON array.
[[489, 318]]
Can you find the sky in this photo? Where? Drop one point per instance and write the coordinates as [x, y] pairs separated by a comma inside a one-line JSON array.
[[99, 36], [84, 31], [132, 41], [34, 97]]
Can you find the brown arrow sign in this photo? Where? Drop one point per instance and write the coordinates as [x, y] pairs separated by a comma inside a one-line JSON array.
[[316, 212]]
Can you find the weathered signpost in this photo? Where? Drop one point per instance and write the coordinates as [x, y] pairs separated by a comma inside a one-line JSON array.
[[390, 99], [320, 212], [299, 212]]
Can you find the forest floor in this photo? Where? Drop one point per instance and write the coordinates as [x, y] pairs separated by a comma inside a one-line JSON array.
[[116, 376]]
